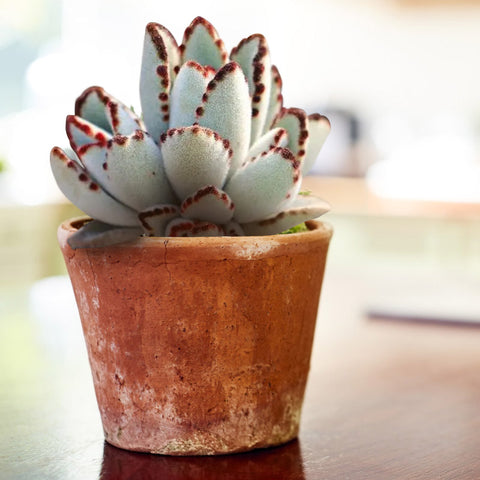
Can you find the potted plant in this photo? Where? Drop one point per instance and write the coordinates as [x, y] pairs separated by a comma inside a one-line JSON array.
[[198, 317]]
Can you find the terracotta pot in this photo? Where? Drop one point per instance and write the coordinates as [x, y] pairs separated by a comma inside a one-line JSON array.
[[199, 346]]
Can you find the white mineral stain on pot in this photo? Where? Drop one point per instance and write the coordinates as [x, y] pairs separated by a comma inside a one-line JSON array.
[[254, 250], [83, 302], [95, 302]]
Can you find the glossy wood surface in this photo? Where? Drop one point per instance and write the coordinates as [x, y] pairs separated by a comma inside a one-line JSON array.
[[385, 400]]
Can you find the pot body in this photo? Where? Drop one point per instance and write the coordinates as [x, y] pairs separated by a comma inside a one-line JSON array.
[[199, 346]]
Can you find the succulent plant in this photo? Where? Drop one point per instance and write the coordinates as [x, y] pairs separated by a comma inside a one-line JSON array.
[[214, 153]]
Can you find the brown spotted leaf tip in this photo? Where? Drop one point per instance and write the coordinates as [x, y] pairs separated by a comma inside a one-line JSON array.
[[188, 90], [82, 132], [94, 158], [276, 137], [194, 157], [91, 106], [181, 227], [202, 44], [295, 122], [155, 219], [122, 119], [160, 60], [253, 56], [318, 129], [275, 104], [77, 185], [209, 204], [302, 209], [226, 109], [135, 173], [103, 110], [264, 186]]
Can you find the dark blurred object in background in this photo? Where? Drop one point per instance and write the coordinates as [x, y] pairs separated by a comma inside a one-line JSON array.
[[348, 151]]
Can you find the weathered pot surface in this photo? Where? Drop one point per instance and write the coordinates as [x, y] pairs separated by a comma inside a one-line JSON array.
[[199, 346]]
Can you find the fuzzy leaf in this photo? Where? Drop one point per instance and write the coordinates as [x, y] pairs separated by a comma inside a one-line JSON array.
[[173, 51], [105, 111], [302, 209], [275, 103], [294, 121], [253, 56], [233, 229], [195, 157], [209, 204], [122, 119], [91, 106], [93, 157], [134, 173], [154, 219], [226, 109], [180, 227], [277, 137], [264, 186], [81, 132], [98, 234], [318, 130], [76, 184], [187, 92], [159, 60], [202, 44]]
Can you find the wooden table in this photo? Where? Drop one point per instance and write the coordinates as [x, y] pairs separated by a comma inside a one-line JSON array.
[[385, 400]]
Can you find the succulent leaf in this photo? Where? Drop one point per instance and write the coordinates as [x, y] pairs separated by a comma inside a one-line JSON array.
[[264, 186], [82, 132], [209, 204], [233, 229], [93, 156], [173, 51], [77, 185], [202, 44], [277, 137], [253, 56], [159, 59], [275, 103], [106, 112], [134, 171], [194, 157], [155, 218], [226, 109], [180, 227], [294, 121], [318, 130], [122, 119], [187, 92], [91, 105], [302, 209], [99, 234]]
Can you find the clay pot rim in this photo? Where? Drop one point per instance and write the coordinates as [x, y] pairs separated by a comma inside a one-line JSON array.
[[317, 230]]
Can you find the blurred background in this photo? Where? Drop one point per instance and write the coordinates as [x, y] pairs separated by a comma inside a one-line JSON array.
[[399, 80]]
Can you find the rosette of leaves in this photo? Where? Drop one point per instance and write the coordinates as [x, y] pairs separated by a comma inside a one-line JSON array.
[[214, 153]]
